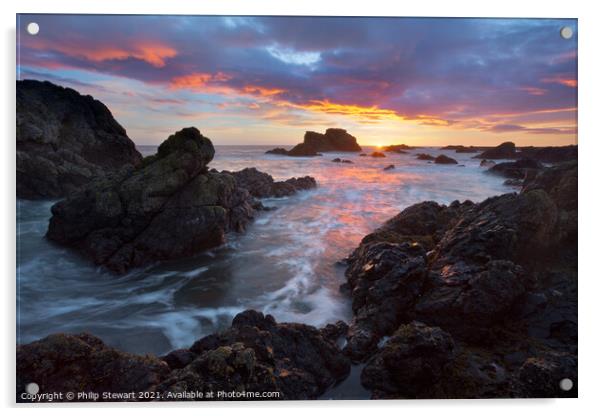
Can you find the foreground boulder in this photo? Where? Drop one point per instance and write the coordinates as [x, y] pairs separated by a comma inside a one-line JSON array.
[[262, 185], [65, 140], [333, 140], [83, 363], [169, 207], [411, 362], [255, 354]]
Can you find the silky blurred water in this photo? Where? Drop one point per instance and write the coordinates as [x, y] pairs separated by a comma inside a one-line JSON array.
[[285, 264]]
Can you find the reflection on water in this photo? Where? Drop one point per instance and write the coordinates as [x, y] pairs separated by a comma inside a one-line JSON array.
[[285, 264]]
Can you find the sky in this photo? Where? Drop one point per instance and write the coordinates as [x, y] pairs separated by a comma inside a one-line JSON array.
[[266, 80]]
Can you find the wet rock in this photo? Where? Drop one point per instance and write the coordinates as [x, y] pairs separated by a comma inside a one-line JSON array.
[[487, 163], [424, 156], [169, 207], [413, 360], [65, 140], [445, 160], [262, 185], [506, 150], [346, 161], [83, 363], [389, 167], [337, 160], [179, 358], [550, 154]]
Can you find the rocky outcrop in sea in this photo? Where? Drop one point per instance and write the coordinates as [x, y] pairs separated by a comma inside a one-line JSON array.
[[65, 140], [333, 140], [169, 207]]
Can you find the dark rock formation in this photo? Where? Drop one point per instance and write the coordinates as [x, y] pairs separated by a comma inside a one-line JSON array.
[[549, 154], [413, 360], [499, 276], [278, 151], [65, 140], [262, 185], [337, 160], [487, 163], [506, 150], [377, 154], [445, 160], [169, 207], [255, 354], [83, 363], [516, 170], [346, 161], [462, 149], [397, 148], [333, 140], [389, 167], [424, 156]]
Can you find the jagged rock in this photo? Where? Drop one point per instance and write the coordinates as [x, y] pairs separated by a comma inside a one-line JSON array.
[[413, 360], [333, 140], [506, 150], [445, 160], [169, 207], [83, 363], [65, 140], [262, 185]]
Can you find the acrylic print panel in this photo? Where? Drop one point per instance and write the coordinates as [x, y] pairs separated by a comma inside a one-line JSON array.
[[284, 208]]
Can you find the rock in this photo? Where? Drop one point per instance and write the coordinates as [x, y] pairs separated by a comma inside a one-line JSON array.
[[551, 154], [445, 160], [389, 167], [169, 207], [387, 272], [336, 160], [397, 148], [363, 154], [516, 170], [424, 156], [262, 185], [258, 354], [333, 140], [513, 182], [462, 149], [506, 150], [346, 161], [414, 359], [65, 140], [278, 151], [487, 163], [83, 363], [540, 377], [377, 154]]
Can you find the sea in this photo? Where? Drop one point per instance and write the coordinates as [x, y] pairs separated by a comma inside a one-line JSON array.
[[286, 263]]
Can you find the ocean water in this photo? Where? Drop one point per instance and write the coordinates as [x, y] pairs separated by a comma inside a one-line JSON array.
[[285, 264]]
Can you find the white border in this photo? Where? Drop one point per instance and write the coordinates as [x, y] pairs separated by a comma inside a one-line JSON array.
[[590, 140]]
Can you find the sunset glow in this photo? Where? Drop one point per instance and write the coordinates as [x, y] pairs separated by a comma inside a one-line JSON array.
[[266, 80]]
